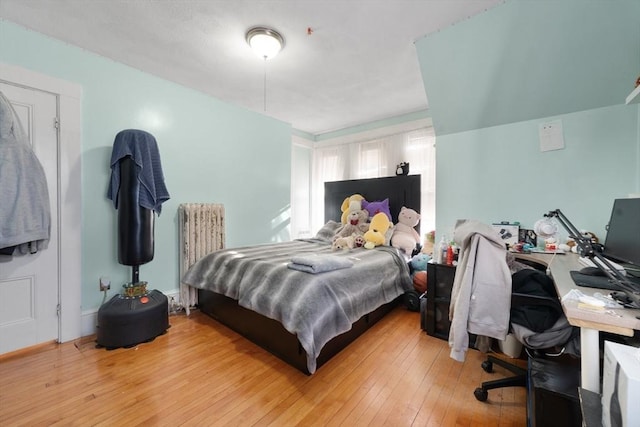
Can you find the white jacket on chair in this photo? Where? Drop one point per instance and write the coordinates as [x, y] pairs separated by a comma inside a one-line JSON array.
[[481, 294]]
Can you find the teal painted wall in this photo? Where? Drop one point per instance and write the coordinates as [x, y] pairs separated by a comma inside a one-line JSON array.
[[493, 79], [210, 151], [530, 59], [499, 173]]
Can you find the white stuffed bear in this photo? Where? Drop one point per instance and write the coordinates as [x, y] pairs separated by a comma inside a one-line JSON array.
[[405, 237], [347, 243], [344, 243], [356, 222]]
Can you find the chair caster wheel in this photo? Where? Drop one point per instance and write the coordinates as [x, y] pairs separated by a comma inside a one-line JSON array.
[[481, 394], [487, 366]]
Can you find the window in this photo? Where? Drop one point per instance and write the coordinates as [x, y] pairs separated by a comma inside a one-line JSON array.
[[375, 158]]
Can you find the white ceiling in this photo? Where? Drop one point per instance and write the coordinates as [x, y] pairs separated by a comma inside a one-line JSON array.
[[358, 64]]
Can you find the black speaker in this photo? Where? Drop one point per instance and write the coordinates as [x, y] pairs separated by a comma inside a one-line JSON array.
[[553, 394]]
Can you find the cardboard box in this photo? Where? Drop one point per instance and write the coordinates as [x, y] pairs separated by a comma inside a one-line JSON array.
[[620, 385]]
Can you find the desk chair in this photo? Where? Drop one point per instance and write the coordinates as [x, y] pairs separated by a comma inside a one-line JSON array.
[[536, 344]]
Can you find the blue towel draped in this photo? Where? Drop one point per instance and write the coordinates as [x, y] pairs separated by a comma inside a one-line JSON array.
[[143, 149]]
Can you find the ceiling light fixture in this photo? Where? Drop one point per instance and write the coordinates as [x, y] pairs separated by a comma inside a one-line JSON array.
[[265, 42]]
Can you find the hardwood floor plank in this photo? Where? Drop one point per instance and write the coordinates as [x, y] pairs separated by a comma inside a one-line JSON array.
[[201, 373], [371, 372]]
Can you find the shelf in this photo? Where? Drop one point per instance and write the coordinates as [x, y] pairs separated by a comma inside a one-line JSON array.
[[634, 97]]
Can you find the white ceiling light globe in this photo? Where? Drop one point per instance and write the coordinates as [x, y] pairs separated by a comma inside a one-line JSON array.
[[265, 42]]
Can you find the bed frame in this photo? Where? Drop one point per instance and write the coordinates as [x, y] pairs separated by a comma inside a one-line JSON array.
[[270, 334]]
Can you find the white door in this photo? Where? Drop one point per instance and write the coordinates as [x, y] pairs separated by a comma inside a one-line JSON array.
[[29, 284]]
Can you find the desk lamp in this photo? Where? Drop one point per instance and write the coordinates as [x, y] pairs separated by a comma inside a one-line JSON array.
[[630, 294]]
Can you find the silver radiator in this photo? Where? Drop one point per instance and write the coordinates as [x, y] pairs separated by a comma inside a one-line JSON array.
[[201, 232]]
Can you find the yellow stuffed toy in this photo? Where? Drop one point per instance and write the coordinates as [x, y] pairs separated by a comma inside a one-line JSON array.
[[347, 203], [378, 228]]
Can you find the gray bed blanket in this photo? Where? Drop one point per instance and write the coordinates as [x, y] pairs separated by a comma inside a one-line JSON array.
[[314, 307]]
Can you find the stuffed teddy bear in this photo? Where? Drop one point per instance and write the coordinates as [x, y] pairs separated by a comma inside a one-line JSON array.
[[572, 246], [348, 242], [344, 243], [358, 241], [346, 204], [356, 222], [405, 237], [378, 228]]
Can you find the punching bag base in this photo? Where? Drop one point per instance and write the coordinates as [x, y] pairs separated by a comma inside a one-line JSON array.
[[126, 321]]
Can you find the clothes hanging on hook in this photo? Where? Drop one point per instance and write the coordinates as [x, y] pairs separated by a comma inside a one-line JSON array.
[[25, 213]]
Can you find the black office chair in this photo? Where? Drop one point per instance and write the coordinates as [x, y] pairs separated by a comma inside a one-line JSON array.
[[523, 305]]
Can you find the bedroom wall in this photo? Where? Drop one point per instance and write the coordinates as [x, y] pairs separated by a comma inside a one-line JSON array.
[[203, 145], [493, 80], [525, 59], [499, 173]]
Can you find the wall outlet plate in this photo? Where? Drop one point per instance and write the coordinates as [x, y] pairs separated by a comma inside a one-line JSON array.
[[105, 284]]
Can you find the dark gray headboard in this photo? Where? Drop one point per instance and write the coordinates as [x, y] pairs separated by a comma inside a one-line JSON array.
[[402, 190]]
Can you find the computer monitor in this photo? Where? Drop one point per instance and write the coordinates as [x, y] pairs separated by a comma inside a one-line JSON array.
[[622, 243]]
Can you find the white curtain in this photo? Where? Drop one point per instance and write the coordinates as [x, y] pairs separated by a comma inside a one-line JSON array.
[[378, 158]]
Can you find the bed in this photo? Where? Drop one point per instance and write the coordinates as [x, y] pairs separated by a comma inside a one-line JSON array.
[[306, 318]]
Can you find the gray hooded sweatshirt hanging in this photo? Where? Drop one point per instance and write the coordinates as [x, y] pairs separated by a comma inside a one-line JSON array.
[[25, 216]]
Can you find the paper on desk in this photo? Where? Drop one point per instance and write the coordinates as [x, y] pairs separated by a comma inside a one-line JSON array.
[[576, 295], [544, 251]]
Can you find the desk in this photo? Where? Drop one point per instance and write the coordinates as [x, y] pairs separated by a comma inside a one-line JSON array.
[[620, 321]]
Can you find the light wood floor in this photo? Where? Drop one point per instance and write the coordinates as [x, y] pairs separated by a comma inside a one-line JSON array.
[[202, 374]]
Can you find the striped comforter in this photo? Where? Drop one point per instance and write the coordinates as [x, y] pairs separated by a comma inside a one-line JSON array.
[[314, 307]]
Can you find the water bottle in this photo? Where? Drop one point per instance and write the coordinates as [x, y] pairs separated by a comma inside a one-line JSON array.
[[439, 250]]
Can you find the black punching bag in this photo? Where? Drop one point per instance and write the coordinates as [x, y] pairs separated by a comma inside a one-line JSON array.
[[138, 191], [135, 223]]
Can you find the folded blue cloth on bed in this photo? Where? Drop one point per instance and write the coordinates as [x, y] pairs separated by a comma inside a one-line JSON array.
[[319, 263]]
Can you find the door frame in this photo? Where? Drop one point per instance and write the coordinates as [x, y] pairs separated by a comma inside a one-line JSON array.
[[69, 202]]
